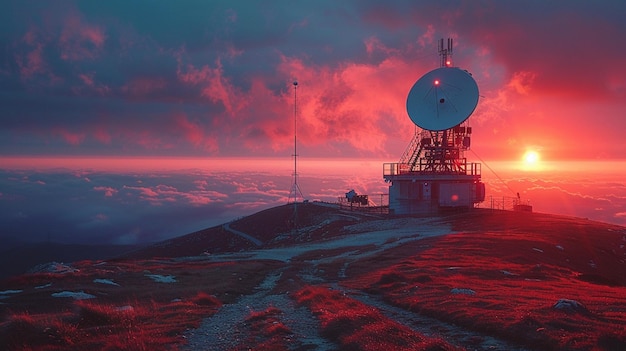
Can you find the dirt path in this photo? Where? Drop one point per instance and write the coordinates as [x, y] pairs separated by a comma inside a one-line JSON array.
[[250, 238], [226, 329]]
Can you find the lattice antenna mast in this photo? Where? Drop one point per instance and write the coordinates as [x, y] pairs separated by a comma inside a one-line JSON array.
[[295, 188]]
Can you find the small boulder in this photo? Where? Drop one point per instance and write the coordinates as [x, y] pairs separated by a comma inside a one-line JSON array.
[[570, 306], [53, 267], [463, 291]]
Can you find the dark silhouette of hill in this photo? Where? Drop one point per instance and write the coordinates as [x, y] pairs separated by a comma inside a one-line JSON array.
[[268, 224], [273, 227]]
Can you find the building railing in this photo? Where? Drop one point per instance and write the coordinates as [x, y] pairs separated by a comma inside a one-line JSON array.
[[460, 168], [509, 203]]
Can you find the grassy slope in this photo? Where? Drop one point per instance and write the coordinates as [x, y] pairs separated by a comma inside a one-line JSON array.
[[511, 268]]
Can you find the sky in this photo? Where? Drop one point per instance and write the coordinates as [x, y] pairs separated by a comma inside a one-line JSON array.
[[135, 121], [214, 78]]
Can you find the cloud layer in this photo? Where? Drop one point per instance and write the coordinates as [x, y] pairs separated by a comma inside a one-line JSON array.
[[87, 204], [70, 203], [215, 78], [594, 190]]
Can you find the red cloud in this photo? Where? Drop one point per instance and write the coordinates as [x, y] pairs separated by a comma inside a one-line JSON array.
[[521, 82], [214, 86], [143, 190], [194, 133], [428, 37], [32, 63], [361, 105], [79, 40], [90, 84], [108, 191], [102, 135], [373, 44], [161, 193], [72, 138], [86, 78]]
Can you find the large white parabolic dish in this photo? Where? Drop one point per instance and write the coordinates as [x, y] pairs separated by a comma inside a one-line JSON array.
[[442, 98]]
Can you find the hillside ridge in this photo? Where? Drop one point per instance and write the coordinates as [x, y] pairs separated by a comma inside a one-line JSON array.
[[476, 280]]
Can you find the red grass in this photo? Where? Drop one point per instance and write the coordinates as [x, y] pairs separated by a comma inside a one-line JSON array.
[[517, 278], [356, 326], [139, 314], [204, 299], [92, 325], [517, 265]]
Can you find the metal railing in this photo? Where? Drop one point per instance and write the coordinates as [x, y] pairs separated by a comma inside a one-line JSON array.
[[507, 203], [460, 168]]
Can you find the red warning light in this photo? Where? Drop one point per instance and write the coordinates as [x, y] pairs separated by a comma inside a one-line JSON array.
[[436, 81], [448, 63]]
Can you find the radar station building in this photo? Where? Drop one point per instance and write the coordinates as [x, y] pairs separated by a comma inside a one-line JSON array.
[[433, 173]]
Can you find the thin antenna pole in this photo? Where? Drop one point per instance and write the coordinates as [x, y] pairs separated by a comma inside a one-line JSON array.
[[295, 137], [295, 188]]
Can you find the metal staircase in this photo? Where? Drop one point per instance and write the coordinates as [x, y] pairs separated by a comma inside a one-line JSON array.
[[413, 151]]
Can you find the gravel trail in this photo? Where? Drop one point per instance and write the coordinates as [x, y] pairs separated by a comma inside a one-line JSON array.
[[225, 330]]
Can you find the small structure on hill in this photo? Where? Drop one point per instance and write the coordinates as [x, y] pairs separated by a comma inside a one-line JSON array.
[[353, 198], [363, 203], [433, 173]]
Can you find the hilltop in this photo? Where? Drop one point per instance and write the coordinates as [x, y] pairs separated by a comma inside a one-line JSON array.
[[338, 280]]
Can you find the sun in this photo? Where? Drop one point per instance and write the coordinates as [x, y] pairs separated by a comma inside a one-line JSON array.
[[532, 160], [531, 157]]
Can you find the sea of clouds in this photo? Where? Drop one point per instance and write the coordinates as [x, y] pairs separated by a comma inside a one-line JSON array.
[[98, 206]]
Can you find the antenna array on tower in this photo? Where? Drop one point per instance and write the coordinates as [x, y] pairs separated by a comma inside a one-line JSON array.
[[444, 52]]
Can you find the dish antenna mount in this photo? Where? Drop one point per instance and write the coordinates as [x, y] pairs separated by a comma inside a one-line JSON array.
[[433, 172]]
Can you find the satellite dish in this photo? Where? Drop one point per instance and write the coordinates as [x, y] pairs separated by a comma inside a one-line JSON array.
[[442, 98]]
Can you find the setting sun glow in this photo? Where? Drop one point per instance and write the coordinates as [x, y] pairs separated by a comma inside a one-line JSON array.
[[531, 157], [531, 160]]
